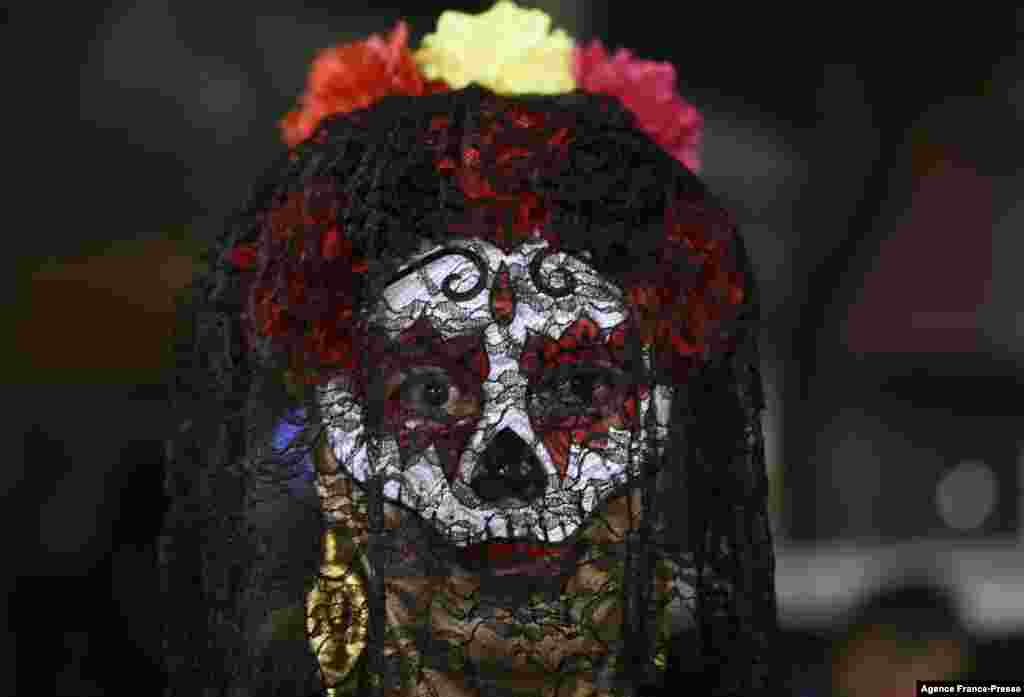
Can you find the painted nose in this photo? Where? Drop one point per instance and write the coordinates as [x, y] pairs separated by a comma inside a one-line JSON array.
[[508, 469]]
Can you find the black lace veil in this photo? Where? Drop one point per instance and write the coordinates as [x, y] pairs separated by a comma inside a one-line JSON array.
[[257, 339]]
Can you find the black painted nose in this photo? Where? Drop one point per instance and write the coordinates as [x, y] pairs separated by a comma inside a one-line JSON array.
[[508, 469]]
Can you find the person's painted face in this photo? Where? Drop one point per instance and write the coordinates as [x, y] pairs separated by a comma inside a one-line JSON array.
[[508, 408]]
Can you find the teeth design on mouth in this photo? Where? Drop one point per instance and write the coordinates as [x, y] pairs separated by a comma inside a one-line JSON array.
[[559, 531], [563, 513], [541, 528], [497, 526], [590, 497], [393, 489], [525, 521], [461, 531]]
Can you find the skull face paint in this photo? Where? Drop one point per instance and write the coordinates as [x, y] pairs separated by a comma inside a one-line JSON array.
[[504, 403]]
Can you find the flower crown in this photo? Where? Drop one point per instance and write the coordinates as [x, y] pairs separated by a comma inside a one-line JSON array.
[[508, 50]]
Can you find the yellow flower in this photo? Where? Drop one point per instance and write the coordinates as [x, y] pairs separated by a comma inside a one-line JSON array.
[[507, 49]]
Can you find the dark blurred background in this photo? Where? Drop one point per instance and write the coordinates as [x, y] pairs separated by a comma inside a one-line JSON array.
[[871, 158]]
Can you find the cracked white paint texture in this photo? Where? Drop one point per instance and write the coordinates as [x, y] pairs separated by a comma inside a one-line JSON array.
[[455, 510]]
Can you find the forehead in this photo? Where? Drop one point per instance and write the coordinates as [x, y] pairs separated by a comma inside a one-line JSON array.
[[453, 286]]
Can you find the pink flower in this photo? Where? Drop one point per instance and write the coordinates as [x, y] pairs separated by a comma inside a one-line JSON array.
[[648, 90]]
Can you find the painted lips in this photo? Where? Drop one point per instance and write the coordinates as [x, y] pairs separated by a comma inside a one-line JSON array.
[[517, 558]]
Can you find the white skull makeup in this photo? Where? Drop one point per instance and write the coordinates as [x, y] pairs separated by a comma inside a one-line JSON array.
[[543, 445]]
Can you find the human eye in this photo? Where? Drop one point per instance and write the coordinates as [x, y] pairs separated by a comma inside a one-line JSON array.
[[578, 389], [428, 391]]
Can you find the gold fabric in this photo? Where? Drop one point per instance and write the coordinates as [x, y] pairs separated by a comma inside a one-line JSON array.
[[336, 607], [336, 610]]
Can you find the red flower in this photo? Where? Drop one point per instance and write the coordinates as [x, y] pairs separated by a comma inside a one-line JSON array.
[[514, 147], [243, 256], [647, 89], [334, 244], [286, 220], [329, 343], [302, 285], [354, 76]]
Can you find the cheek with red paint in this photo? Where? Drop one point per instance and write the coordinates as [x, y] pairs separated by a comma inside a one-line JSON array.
[[579, 388], [433, 393], [587, 431], [420, 424]]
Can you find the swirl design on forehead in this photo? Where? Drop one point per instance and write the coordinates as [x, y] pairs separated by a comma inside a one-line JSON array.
[[449, 281], [568, 280]]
